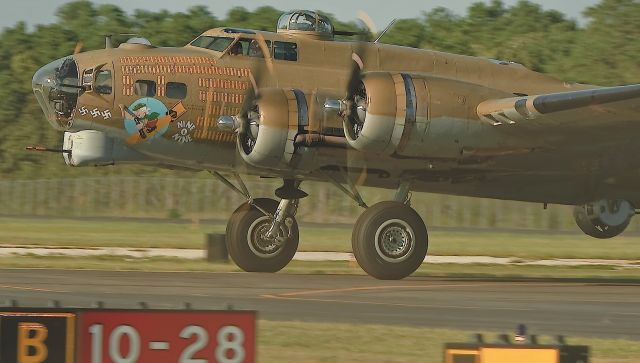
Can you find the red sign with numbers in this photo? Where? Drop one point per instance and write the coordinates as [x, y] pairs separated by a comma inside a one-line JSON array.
[[112, 336]]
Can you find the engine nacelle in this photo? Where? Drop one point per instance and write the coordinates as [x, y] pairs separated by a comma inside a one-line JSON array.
[[268, 139], [416, 115], [95, 148]]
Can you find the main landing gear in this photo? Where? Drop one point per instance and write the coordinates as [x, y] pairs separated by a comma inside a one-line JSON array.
[[262, 234], [605, 218], [389, 240]]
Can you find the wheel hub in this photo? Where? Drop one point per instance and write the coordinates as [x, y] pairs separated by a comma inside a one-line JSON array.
[[395, 241], [610, 212], [260, 243]]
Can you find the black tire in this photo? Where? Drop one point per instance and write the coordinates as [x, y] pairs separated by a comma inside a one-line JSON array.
[[391, 260], [246, 223], [596, 228]]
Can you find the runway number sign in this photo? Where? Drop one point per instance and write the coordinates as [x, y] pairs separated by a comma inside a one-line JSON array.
[[57, 335], [166, 336]]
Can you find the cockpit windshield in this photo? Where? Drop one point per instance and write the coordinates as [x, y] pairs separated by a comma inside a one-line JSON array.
[[218, 44]]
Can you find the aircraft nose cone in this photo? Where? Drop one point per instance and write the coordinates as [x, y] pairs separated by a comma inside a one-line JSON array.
[[56, 87]]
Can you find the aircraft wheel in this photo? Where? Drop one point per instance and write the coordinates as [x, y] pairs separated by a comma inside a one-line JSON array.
[[389, 241], [248, 245], [604, 219]]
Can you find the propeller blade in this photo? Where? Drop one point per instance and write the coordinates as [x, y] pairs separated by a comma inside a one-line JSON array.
[[241, 122], [355, 76], [357, 170], [78, 47], [256, 76], [367, 21]]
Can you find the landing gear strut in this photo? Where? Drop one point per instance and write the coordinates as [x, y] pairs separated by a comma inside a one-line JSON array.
[[255, 242]]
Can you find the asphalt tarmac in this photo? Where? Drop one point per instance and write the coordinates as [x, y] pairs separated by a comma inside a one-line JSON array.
[[591, 309]]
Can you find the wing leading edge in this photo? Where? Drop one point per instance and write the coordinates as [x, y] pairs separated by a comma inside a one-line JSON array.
[[594, 107]]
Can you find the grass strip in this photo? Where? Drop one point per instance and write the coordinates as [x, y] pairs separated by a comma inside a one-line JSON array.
[[109, 233], [356, 343]]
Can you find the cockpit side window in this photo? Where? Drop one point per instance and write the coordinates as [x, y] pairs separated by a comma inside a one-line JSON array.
[[249, 48], [256, 51], [218, 44]]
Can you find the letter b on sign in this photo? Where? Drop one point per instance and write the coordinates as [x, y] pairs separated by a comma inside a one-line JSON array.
[[31, 346], [36, 337]]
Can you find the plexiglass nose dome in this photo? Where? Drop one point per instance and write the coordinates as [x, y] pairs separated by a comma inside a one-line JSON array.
[[56, 87]]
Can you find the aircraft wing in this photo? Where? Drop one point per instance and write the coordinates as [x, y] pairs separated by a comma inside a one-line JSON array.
[[577, 110]]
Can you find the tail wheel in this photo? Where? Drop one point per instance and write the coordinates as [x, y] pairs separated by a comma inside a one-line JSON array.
[[604, 219], [390, 241], [247, 240]]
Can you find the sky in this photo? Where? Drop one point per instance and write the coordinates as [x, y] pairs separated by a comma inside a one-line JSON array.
[[43, 11]]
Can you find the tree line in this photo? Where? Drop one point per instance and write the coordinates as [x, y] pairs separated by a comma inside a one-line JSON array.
[[605, 51]]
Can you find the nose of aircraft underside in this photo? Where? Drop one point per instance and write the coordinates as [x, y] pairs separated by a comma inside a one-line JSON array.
[[57, 87]]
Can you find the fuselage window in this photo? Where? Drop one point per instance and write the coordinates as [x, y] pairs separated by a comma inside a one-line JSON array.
[[219, 44], [176, 90], [103, 83], [144, 88], [285, 51]]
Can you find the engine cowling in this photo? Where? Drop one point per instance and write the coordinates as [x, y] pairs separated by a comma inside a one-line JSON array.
[[382, 108], [267, 140]]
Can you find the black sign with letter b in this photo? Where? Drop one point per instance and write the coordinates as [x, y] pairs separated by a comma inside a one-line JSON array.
[[36, 337]]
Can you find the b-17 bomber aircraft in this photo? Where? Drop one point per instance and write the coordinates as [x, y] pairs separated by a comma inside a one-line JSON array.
[[301, 104]]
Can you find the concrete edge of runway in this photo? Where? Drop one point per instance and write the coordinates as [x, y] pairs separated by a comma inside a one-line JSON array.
[[596, 281], [196, 254]]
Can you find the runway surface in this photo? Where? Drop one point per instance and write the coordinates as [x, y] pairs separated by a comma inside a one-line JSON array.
[[610, 310]]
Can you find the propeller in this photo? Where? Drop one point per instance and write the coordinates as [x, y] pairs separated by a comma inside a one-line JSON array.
[[353, 108], [246, 122]]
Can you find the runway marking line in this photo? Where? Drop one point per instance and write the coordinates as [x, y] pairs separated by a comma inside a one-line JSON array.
[[29, 288], [296, 295], [387, 304], [368, 288], [632, 314]]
